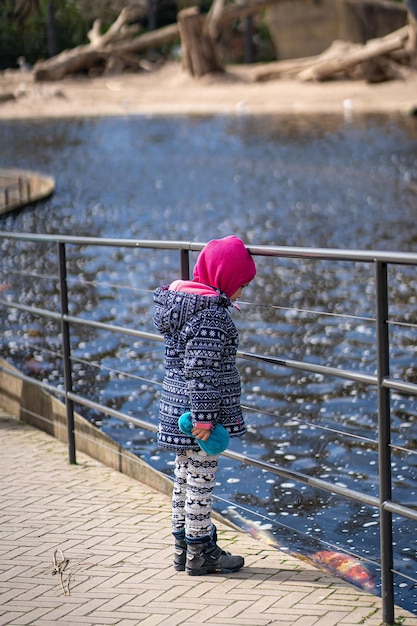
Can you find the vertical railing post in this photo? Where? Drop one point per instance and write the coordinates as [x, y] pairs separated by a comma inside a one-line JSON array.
[[184, 264], [66, 351], [20, 187], [384, 441]]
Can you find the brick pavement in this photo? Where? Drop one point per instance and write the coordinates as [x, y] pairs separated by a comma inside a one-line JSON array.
[[115, 534]]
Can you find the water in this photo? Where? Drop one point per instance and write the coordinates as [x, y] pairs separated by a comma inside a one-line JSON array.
[[275, 181]]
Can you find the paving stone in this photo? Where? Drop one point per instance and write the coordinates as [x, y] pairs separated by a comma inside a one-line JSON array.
[[115, 533]]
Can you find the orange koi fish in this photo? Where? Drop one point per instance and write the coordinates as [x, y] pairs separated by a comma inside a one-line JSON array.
[[336, 563], [344, 566]]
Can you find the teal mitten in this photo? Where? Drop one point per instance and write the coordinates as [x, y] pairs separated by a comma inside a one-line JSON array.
[[219, 438]]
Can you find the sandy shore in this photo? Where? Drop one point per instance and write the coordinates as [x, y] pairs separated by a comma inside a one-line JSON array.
[[170, 91]]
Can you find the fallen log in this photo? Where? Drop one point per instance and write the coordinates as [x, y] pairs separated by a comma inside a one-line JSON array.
[[290, 68], [82, 58], [153, 38], [325, 68], [71, 61], [287, 68]]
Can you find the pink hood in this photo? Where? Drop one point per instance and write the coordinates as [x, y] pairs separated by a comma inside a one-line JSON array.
[[225, 264]]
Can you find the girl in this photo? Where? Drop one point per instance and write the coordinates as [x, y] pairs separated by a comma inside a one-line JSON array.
[[201, 341]]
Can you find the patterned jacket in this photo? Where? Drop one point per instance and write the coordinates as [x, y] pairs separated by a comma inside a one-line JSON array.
[[201, 341]]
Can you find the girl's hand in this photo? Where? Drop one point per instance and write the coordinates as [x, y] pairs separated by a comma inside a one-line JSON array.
[[201, 433]]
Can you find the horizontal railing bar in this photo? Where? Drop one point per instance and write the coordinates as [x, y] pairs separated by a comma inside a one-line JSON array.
[[31, 309], [304, 478], [80, 321], [405, 576], [332, 254], [397, 448], [104, 241], [101, 408], [400, 386], [119, 329], [368, 256], [368, 379], [400, 509]]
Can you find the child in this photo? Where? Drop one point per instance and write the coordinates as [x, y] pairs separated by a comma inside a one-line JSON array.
[[201, 341]]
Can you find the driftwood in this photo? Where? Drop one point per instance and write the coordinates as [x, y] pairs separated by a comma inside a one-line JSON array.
[[326, 68], [290, 68], [119, 48], [82, 58], [199, 34], [115, 47], [375, 61], [213, 17], [118, 31], [198, 52]]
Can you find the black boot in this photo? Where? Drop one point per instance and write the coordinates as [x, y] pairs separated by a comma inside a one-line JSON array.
[[207, 557], [180, 553]]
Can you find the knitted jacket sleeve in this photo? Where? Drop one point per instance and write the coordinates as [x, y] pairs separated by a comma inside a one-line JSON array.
[[204, 350]]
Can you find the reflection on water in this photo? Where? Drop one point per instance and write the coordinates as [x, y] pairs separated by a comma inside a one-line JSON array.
[[275, 181]]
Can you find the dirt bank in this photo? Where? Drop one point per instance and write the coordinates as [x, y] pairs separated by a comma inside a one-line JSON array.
[[170, 91]]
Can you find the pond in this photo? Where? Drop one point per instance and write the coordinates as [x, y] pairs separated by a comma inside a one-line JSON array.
[[296, 181]]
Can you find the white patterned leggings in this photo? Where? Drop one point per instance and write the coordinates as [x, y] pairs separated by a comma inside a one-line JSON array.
[[195, 478]]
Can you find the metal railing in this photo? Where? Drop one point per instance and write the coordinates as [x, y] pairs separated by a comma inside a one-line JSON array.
[[381, 381]]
